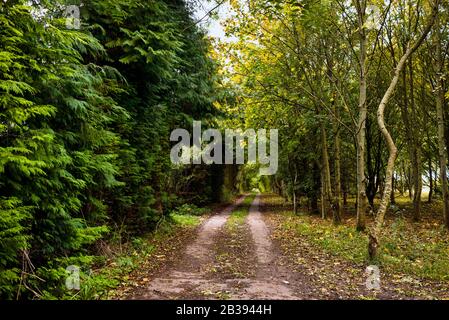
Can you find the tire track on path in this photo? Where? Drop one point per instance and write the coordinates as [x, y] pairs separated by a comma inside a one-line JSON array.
[[187, 279], [272, 280], [190, 277]]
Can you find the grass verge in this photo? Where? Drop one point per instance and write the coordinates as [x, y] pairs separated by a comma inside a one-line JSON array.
[[418, 249], [147, 252]]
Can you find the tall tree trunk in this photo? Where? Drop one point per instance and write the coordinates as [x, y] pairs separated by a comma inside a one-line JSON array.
[[429, 200], [409, 183], [344, 182], [393, 185], [373, 172], [440, 118], [361, 125], [402, 176], [295, 198], [416, 149], [323, 201], [295, 208], [446, 128], [338, 210], [371, 176], [408, 114], [327, 186], [375, 230], [316, 174]]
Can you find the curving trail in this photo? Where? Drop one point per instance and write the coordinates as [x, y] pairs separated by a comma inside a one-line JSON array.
[[190, 276], [252, 258]]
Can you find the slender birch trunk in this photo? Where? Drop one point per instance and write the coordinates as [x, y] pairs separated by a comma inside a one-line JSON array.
[[362, 201], [440, 119], [375, 230], [327, 186], [338, 211]]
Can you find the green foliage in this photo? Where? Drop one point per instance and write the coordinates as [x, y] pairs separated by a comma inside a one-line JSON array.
[[14, 239], [101, 283], [85, 117], [170, 82], [341, 240], [416, 250], [185, 219], [189, 209]]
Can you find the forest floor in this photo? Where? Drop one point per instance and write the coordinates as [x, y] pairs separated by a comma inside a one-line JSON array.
[[255, 249]]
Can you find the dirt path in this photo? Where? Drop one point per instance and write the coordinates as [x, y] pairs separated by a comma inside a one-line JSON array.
[[195, 275], [254, 259], [186, 279], [331, 277], [272, 280]]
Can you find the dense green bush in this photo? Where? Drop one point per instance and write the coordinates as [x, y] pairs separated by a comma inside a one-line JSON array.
[[85, 120]]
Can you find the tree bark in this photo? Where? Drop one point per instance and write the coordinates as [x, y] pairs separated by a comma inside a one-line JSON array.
[[316, 180], [429, 200], [295, 197], [408, 114], [338, 210], [416, 149], [322, 197], [326, 182], [392, 197], [440, 119], [376, 229], [446, 129], [361, 125]]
